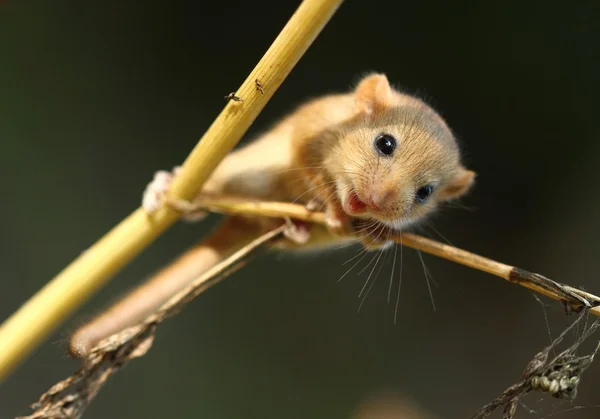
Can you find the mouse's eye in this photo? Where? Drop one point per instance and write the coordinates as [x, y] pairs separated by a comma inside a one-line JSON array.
[[385, 144], [423, 193]]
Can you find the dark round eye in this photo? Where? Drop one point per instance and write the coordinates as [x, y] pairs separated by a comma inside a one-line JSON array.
[[385, 144], [424, 192]]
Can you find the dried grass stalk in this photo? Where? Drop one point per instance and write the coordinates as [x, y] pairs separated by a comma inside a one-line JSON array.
[[69, 398]]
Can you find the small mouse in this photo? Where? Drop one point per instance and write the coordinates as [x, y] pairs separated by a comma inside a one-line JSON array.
[[372, 159]]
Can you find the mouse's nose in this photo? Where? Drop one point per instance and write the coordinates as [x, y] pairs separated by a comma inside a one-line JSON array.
[[381, 199]]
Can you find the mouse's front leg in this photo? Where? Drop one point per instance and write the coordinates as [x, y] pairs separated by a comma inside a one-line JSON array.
[[338, 222], [324, 197]]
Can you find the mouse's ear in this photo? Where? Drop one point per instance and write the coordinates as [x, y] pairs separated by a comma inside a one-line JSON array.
[[373, 93], [458, 185]]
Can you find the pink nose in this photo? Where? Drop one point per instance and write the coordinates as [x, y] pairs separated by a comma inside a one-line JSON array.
[[379, 200]]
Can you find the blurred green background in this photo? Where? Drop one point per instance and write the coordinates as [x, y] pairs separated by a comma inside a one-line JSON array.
[[96, 96]]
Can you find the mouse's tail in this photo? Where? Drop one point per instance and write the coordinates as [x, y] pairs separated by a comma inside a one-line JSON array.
[[231, 235]]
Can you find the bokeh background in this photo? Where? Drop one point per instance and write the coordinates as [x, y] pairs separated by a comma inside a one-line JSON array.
[[96, 96]]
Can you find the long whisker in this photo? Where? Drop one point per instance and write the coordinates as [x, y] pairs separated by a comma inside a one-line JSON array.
[[358, 172], [381, 253], [441, 235], [358, 237], [292, 169], [332, 195], [328, 198], [364, 253], [352, 243], [427, 278], [392, 274], [370, 227], [312, 189], [370, 234], [399, 283], [368, 264], [365, 268]]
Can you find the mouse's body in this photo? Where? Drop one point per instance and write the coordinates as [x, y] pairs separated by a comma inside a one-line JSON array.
[[373, 154]]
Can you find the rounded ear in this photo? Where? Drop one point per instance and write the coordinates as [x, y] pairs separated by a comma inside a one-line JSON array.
[[373, 93], [459, 185]]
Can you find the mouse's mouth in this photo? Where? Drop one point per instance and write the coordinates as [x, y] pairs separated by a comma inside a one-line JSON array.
[[355, 205]]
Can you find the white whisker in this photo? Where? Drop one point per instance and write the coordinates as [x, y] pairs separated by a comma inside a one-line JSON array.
[[399, 283]]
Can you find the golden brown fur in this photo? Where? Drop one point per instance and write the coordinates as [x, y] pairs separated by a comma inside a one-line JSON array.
[[322, 155]]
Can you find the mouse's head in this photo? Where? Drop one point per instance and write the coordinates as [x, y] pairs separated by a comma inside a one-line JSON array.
[[397, 160]]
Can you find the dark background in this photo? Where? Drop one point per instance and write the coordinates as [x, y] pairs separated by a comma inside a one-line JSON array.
[[95, 97]]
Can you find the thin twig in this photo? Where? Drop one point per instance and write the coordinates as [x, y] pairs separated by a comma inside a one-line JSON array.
[[573, 298], [35, 320], [70, 397]]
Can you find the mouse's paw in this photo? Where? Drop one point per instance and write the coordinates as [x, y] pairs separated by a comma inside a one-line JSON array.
[[313, 205], [156, 192], [338, 222], [297, 232]]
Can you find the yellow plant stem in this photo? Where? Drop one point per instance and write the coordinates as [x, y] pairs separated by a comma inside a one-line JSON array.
[[21, 333]]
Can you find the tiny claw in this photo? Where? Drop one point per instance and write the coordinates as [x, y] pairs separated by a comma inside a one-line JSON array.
[[312, 205], [297, 232], [334, 224], [157, 191]]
